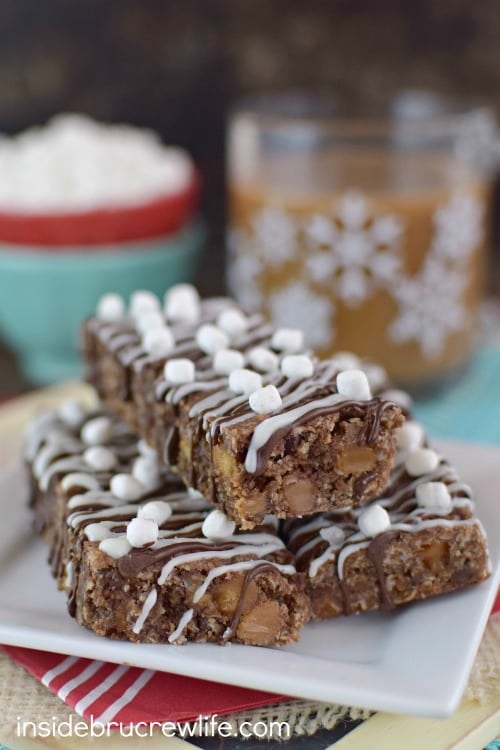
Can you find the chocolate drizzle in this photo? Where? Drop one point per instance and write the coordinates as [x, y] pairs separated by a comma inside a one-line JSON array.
[[137, 560], [304, 537], [345, 410], [376, 552], [219, 408], [180, 538]]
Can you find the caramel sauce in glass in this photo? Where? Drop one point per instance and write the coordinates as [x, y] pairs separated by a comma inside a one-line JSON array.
[[412, 184]]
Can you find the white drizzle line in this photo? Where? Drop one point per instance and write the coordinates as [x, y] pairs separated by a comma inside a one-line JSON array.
[[57, 446], [176, 394], [346, 551], [257, 540], [214, 401], [75, 519], [439, 473], [220, 571], [146, 609], [77, 479], [222, 554], [244, 565], [72, 463], [36, 433], [318, 562], [110, 515], [183, 623], [315, 524], [93, 497], [269, 426]]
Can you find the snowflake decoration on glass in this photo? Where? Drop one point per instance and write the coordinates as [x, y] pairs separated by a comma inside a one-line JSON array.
[[459, 227], [243, 270], [354, 251], [430, 307], [275, 236], [296, 306]]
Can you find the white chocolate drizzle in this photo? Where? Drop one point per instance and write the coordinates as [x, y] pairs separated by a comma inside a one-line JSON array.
[[146, 610], [96, 516], [183, 623], [399, 500]]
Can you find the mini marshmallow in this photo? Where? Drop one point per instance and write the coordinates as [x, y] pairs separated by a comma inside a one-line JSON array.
[[353, 384], [158, 342], [297, 366], [97, 431], [116, 547], [148, 320], [142, 532], [233, 322], [263, 359], [96, 532], [145, 449], [288, 340], [265, 400], [156, 510], [211, 339], [147, 472], [421, 461], [126, 487], [217, 526], [71, 413], [74, 164], [333, 535], [100, 458], [179, 371], [142, 301], [410, 436], [374, 520], [110, 308], [433, 495], [244, 381], [401, 398], [182, 304], [346, 361], [227, 360], [196, 495]]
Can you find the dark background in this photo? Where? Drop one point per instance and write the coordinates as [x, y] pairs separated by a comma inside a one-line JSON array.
[[176, 65]]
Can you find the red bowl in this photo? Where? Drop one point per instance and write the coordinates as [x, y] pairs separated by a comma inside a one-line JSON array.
[[159, 217]]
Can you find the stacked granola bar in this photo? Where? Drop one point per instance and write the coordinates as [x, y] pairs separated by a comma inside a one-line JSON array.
[[161, 510]]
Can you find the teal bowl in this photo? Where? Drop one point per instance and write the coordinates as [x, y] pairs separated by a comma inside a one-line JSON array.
[[46, 294]]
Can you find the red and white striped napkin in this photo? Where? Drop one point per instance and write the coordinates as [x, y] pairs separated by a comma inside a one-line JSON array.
[[108, 692]]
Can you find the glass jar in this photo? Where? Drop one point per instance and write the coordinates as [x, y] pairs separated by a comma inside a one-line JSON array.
[[368, 232]]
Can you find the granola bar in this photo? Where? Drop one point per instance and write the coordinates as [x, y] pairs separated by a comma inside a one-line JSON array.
[[418, 539], [243, 413], [143, 559]]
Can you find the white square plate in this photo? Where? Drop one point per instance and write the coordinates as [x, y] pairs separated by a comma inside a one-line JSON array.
[[414, 661]]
